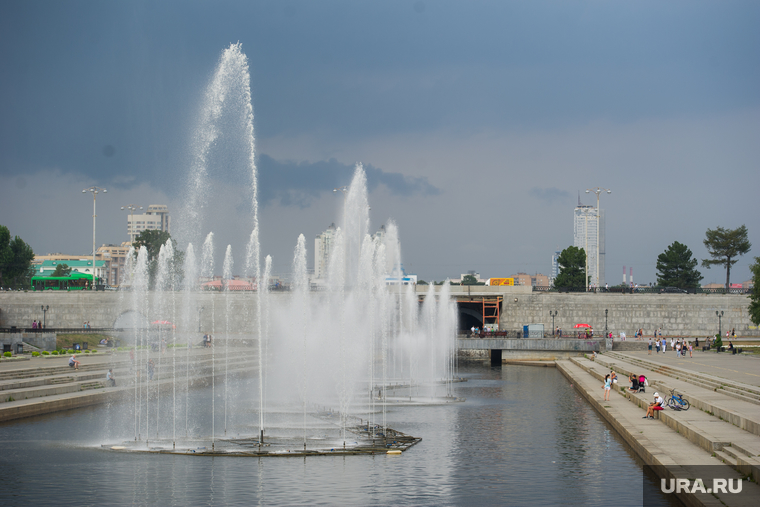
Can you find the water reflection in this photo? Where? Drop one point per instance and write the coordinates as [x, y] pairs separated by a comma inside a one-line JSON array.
[[524, 437]]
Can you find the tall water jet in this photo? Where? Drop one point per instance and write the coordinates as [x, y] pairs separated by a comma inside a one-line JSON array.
[[225, 127], [355, 223], [301, 310], [226, 277], [190, 281]]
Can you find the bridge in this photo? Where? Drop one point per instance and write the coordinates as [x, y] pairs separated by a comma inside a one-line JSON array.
[[532, 348]]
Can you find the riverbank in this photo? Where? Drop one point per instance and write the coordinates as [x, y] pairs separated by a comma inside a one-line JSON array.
[[721, 430]]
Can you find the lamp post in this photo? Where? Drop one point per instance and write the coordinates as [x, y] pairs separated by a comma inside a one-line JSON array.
[[94, 190], [552, 315], [131, 208], [597, 191], [44, 309], [606, 332], [200, 311], [720, 316]]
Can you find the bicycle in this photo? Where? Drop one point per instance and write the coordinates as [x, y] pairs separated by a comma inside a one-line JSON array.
[[677, 401]]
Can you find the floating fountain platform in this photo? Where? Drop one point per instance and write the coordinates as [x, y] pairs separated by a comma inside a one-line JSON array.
[[363, 440]]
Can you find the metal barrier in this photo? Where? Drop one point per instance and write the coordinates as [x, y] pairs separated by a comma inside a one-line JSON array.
[[644, 290]]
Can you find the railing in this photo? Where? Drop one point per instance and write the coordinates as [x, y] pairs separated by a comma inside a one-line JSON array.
[[644, 290], [66, 330]]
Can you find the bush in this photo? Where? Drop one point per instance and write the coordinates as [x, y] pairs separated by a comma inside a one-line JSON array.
[[70, 351], [718, 342], [94, 350], [87, 351], [7, 354], [55, 352], [45, 353], [35, 353]]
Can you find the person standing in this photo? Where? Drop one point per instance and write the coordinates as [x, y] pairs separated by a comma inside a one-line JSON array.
[[607, 385], [650, 347]]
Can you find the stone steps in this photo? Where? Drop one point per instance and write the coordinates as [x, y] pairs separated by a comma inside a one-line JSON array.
[[735, 389], [738, 447], [51, 381], [714, 402]]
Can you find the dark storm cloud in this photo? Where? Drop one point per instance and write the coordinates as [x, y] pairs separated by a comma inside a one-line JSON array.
[[291, 183]]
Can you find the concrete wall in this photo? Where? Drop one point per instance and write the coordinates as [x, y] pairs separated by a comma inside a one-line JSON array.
[[676, 314]]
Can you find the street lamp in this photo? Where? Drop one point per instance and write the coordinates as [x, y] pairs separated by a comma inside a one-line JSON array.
[[94, 191], [44, 309], [131, 208], [200, 311], [552, 315], [720, 316], [597, 191]]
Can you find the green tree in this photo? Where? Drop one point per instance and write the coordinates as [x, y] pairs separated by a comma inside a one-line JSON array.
[[62, 270], [724, 246], [676, 268], [153, 240], [15, 260], [754, 297], [572, 269], [469, 280]]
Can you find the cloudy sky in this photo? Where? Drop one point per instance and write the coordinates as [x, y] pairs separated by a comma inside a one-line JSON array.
[[479, 122]]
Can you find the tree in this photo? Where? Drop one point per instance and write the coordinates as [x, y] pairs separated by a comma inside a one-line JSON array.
[[469, 280], [754, 305], [153, 240], [572, 269], [62, 270], [724, 246], [15, 260], [676, 268]]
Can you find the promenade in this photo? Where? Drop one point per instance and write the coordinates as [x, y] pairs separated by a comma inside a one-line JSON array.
[[721, 429]]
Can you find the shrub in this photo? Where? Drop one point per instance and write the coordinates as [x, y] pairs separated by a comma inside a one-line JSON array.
[[35, 353], [45, 353], [70, 351], [94, 350], [87, 351], [55, 352], [7, 354]]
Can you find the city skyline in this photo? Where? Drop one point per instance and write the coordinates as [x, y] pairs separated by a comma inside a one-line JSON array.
[[475, 145]]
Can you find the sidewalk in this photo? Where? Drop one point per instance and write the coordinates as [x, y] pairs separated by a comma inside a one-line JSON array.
[[741, 368]]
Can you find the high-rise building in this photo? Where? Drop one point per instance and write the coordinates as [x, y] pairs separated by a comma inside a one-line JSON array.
[[585, 236], [156, 218], [555, 267], [323, 245]]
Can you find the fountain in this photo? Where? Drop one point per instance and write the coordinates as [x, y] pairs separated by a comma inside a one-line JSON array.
[[308, 370]]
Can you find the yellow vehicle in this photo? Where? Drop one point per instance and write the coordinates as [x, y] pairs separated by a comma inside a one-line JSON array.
[[500, 281]]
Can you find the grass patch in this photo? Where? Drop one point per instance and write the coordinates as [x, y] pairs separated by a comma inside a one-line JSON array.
[[67, 341]]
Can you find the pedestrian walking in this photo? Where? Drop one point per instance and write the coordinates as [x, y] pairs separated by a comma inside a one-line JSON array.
[[650, 347]]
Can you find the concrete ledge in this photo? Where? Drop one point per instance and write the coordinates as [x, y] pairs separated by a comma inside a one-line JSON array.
[[544, 364]]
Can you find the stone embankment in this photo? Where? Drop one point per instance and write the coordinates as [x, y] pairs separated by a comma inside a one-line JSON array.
[[722, 427], [41, 386]]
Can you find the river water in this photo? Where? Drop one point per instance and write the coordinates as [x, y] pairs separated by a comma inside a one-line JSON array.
[[523, 437]]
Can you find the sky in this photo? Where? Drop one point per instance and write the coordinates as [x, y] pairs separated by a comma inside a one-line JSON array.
[[479, 123]]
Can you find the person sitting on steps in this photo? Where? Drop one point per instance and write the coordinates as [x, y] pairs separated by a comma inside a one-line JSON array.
[[656, 405], [73, 362]]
